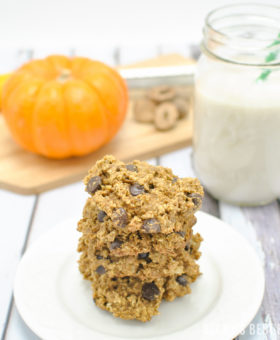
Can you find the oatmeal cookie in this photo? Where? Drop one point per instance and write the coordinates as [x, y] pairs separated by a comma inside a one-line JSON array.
[[103, 233], [147, 265], [131, 298], [141, 197]]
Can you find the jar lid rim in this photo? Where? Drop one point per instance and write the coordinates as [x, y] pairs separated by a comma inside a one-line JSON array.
[[232, 6], [245, 29]]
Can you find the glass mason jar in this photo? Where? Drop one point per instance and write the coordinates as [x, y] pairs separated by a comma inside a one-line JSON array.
[[237, 105]]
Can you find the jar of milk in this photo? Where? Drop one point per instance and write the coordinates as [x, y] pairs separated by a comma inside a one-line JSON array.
[[237, 105]]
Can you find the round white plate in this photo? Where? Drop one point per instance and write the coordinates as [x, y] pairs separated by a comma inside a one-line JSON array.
[[56, 303]]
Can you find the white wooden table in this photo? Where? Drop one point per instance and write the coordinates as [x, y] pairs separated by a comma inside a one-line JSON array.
[[24, 218]]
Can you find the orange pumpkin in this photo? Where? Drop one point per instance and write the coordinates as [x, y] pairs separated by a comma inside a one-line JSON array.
[[3, 79], [61, 107]]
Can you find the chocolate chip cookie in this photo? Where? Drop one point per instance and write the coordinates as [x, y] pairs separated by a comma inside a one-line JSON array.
[[132, 298], [137, 245], [145, 265], [141, 197], [100, 229]]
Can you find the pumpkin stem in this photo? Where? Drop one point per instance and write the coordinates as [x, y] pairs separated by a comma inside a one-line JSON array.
[[64, 75]]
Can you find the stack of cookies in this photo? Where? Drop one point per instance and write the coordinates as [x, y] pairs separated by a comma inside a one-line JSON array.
[[137, 245]]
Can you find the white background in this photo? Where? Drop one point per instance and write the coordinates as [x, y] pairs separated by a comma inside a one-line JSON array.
[[45, 23]]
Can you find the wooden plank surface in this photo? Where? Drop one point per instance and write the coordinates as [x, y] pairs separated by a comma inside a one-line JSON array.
[[266, 223], [260, 226], [15, 224], [16, 214], [20, 169]]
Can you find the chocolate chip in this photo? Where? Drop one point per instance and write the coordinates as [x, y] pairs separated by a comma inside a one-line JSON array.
[[151, 225], [149, 291], [143, 256], [101, 215], [189, 248], [182, 280], [114, 279], [119, 217], [196, 201], [126, 279], [99, 257], [151, 186], [116, 244], [181, 233], [94, 184], [131, 167], [136, 189], [196, 198], [100, 270], [140, 267], [115, 287]]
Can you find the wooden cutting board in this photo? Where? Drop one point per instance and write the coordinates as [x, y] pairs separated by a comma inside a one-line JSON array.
[[27, 173]]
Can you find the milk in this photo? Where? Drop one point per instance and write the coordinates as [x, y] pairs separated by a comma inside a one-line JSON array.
[[237, 133]]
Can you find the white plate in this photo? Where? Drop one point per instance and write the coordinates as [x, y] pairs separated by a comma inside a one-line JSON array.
[[56, 303]]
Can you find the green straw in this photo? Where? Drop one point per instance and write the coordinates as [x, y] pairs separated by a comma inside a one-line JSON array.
[[269, 58]]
